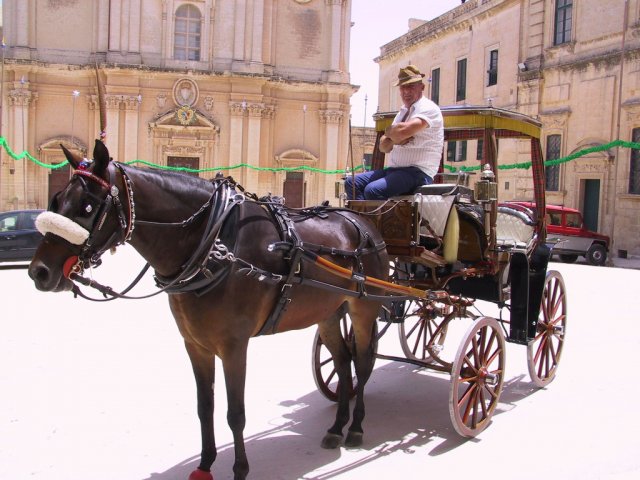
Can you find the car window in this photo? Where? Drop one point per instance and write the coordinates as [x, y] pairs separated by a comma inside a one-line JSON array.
[[573, 220], [30, 220], [8, 223], [554, 219]]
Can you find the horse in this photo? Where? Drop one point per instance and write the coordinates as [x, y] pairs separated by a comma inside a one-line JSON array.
[[233, 266]]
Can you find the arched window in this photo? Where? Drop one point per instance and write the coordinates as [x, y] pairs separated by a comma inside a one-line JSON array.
[[186, 44]]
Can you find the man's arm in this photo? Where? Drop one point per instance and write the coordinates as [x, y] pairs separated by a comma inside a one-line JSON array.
[[401, 132]]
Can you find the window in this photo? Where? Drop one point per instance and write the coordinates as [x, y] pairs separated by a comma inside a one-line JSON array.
[[552, 173], [634, 170], [573, 220], [493, 68], [461, 84], [562, 32], [187, 34], [554, 219], [435, 85], [480, 150], [9, 223], [457, 151]]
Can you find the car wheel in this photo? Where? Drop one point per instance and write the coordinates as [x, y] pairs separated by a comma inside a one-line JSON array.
[[597, 254], [566, 258]]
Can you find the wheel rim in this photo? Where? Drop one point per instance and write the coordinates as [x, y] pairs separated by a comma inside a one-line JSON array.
[[477, 377], [421, 330], [324, 372], [544, 351]]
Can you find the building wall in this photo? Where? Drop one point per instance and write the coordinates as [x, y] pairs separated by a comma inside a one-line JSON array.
[[579, 89], [270, 88]]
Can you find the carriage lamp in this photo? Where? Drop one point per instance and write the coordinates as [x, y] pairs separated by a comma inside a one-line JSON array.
[[486, 189], [486, 193]]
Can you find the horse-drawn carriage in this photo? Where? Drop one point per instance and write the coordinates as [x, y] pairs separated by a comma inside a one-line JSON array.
[[453, 245], [236, 266]]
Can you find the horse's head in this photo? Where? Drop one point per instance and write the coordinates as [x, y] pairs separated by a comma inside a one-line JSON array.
[[84, 220]]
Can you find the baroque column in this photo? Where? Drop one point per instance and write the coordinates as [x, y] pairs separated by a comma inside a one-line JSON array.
[[256, 111], [132, 113], [113, 103], [236, 125], [331, 119], [20, 99], [336, 39]]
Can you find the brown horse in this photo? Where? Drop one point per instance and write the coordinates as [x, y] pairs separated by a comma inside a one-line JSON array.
[[231, 269]]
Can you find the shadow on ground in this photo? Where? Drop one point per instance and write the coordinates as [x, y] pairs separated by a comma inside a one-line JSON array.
[[406, 409]]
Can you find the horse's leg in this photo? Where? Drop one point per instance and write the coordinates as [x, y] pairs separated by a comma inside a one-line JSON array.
[[234, 363], [204, 370], [332, 338], [363, 360]]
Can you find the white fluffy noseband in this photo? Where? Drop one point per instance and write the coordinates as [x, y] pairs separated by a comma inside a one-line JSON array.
[[62, 226]]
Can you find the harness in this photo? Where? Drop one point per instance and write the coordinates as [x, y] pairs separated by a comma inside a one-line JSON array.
[[296, 250], [211, 261]]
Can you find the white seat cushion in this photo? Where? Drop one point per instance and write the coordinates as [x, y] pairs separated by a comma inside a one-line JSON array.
[[510, 228]]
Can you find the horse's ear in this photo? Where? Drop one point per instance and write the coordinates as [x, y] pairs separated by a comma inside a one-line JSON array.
[[100, 158], [73, 158]]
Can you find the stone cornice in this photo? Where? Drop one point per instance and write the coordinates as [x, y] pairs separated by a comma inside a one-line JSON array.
[[455, 18]]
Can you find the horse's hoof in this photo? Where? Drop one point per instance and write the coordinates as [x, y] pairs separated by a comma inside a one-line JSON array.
[[354, 440], [331, 441], [198, 474]]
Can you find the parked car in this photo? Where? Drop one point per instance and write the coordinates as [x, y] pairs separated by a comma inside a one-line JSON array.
[[18, 235], [570, 238]]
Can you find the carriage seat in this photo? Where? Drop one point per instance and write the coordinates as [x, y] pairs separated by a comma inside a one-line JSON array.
[[514, 229], [439, 207]]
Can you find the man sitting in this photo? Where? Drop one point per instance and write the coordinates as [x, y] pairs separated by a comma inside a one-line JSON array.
[[413, 143]]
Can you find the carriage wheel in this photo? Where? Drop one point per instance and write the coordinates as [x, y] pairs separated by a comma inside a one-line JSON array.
[[543, 352], [324, 372], [422, 329], [477, 377]]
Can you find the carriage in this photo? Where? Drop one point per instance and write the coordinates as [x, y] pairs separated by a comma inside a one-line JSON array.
[[454, 247], [235, 266]]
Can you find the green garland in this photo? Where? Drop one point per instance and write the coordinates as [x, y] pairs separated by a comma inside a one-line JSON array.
[[523, 165]]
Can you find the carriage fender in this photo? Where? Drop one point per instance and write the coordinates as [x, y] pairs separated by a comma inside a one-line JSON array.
[[519, 279]]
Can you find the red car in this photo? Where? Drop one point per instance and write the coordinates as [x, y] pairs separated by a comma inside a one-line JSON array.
[[570, 238]]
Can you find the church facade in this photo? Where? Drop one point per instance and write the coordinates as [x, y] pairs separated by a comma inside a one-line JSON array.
[[249, 89]]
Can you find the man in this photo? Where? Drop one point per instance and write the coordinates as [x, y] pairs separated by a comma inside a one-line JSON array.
[[413, 144]]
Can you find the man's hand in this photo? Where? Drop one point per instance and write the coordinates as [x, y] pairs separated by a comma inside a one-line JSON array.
[[386, 144]]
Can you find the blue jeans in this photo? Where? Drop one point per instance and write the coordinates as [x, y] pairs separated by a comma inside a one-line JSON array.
[[382, 184]]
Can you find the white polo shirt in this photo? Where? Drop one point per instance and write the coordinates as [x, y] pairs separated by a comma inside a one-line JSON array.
[[425, 149]]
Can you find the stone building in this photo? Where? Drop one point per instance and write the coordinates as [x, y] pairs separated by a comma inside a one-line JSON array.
[[574, 65], [203, 84]]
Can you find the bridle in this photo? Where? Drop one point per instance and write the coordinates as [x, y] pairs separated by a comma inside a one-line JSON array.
[[90, 254], [219, 205]]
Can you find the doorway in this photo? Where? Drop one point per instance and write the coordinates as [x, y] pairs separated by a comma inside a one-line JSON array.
[[192, 163], [591, 203], [58, 179], [293, 189]]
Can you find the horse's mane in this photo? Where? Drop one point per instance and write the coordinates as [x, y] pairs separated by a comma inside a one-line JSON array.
[[174, 181]]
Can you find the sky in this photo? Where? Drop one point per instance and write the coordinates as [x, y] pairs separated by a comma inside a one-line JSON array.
[[377, 22]]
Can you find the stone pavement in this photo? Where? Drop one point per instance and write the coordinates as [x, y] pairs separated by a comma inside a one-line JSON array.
[[105, 391], [632, 261]]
